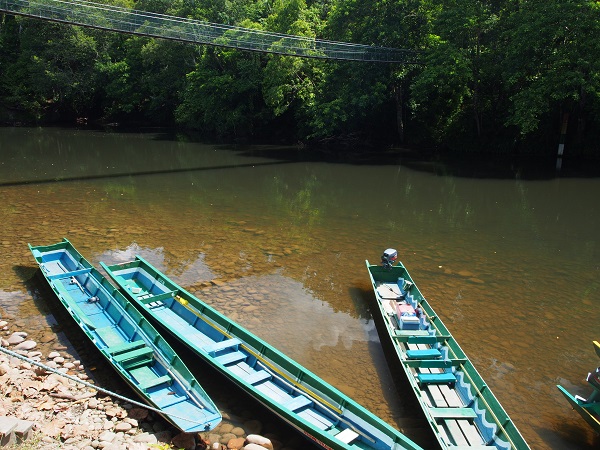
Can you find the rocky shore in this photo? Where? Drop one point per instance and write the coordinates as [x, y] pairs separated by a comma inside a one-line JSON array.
[[71, 415]]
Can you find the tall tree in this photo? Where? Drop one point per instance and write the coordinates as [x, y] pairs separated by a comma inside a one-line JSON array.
[[552, 65]]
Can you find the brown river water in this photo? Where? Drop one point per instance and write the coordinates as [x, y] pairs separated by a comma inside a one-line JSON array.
[[510, 262]]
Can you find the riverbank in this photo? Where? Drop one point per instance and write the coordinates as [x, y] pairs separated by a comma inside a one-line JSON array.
[[71, 414]]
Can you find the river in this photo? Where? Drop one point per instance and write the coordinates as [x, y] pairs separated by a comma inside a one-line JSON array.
[[508, 258]]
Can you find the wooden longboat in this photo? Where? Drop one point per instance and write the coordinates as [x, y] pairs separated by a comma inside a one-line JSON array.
[[588, 408], [323, 414], [459, 406], [126, 339]]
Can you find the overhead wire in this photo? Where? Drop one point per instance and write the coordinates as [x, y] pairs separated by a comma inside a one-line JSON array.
[[147, 23]]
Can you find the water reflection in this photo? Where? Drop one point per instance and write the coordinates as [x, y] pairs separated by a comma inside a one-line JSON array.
[[510, 263], [266, 303]]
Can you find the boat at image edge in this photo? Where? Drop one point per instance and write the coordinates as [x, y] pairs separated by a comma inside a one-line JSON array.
[[323, 414], [589, 408], [459, 406], [126, 339]]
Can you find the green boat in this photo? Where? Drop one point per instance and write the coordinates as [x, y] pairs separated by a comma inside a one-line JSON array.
[[459, 406], [588, 408], [126, 339], [323, 414]]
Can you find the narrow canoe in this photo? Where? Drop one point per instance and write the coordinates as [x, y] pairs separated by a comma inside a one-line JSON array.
[[459, 406], [588, 408], [126, 339], [319, 411]]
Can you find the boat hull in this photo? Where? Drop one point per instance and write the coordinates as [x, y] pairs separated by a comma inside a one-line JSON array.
[[320, 412], [588, 408], [457, 403], [128, 342]]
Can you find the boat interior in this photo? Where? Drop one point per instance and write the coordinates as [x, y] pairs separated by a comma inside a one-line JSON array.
[[435, 369], [124, 342], [238, 359]]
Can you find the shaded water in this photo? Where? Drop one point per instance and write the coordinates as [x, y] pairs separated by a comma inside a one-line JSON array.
[[278, 244]]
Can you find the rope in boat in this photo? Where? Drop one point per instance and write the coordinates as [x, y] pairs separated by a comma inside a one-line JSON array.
[[258, 357], [270, 368], [93, 386], [340, 418]]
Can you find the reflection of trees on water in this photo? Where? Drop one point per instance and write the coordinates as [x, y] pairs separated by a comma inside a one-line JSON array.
[[300, 205]]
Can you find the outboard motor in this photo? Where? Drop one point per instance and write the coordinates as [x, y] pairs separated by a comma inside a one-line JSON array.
[[388, 258]]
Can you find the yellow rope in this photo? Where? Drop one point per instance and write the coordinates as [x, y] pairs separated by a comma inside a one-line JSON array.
[[319, 399]]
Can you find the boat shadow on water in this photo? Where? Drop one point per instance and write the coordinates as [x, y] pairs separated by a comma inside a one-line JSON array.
[[412, 421]]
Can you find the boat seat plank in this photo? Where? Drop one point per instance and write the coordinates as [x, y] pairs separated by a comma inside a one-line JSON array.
[[156, 382], [124, 347], [54, 267], [136, 363], [428, 363], [347, 436], [404, 335], [230, 358], [297, 403], [133, 354], [222, 345], [452, 413], [257, 377], [420, 338], [430, 353], [316, 419], [436, 378]]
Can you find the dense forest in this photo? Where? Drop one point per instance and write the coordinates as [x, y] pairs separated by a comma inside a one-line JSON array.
[[496, 75]]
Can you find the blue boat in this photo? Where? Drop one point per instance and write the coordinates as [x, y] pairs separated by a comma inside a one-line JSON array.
[[458, 404], [323, 414], [126, 339], [588, 408]]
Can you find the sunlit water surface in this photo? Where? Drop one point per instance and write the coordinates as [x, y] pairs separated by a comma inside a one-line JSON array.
[[278, 244]]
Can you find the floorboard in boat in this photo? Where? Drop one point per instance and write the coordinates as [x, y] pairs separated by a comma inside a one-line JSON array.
[[461, 431], [181, 327]]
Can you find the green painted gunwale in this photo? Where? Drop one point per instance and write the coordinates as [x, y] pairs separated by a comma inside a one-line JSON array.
[[588, 408], [268, 355], [490, 415], [139, 354]]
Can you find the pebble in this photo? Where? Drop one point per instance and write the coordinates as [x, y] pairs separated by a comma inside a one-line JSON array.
[[77, 410]]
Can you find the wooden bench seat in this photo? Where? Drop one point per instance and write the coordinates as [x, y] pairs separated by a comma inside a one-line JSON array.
[[221, 345], [297, 403], [257, 377], [124, 347], [230, 358], [132, 354], [155, 382], [452, 413], [428, 363]]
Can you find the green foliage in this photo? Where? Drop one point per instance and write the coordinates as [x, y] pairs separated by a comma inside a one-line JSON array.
[[54, 70], [553, 61], [222, 94], [490, 70]]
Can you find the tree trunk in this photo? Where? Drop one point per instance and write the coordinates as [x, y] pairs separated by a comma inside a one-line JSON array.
[[399, 113]]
